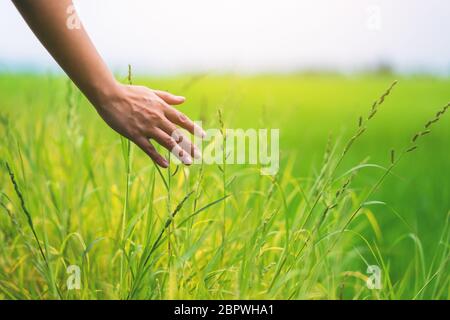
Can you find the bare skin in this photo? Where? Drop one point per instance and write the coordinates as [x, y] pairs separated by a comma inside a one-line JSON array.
[[138, 113]]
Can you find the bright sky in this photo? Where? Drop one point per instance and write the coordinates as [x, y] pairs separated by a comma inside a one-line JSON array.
[[173, 36]]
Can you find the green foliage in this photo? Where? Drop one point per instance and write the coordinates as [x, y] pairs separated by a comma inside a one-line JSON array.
[[350, 193]]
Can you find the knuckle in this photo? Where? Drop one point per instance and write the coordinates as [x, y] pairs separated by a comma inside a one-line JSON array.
[[180, 153], [151, 147], [162, 105], [182, 118], [177, 135], [150, 150], [180, 138], [152, 115], [133, 134], [169, 142], [145, 90], [153, 156]]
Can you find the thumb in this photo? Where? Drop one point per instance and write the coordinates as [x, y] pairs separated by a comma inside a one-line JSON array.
[[169, 98]]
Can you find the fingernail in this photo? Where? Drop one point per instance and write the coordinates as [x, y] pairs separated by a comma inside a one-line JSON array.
[[165, 163], [187, 160], [201, 132]]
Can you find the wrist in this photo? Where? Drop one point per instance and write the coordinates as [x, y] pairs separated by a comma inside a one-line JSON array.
[[100, 96]]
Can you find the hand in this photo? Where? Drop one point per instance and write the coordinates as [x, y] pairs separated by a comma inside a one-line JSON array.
[[138, 113], [141, 114]]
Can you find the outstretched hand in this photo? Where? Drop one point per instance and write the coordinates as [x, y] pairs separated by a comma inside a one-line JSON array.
[[138, 113], [141, 114]]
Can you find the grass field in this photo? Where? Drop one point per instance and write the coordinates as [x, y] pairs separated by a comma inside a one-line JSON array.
[[72, 192]]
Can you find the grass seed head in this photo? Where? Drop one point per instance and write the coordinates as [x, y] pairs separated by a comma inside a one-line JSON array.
[[411, 149]]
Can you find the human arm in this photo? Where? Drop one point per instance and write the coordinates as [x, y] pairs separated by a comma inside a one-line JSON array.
[[136, 112]]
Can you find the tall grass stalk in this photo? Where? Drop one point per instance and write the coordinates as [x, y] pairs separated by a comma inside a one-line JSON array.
[[126, 152], [48, 270], [223, 170], [394, 162], [324, 179], [362, 126]]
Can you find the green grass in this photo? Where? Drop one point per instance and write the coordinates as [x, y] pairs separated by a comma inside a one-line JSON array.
[[76, 193]]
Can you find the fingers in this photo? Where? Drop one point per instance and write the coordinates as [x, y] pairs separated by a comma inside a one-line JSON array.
[[176, 116], [150, 150], [170, 144], [169, 98], [180, 138], [183, 121], [162, 127]]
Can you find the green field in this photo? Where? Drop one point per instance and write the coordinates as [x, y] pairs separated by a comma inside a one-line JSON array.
[[80, 195]]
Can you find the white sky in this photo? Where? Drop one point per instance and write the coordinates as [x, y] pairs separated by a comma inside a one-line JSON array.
[[173, 36]]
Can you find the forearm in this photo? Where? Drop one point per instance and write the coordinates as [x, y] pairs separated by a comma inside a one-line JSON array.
[[135, 112], [71, 48]]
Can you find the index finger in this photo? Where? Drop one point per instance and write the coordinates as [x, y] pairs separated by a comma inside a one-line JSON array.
[[183, 121]]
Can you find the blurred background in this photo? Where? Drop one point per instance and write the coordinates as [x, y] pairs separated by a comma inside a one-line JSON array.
[[176, 36]]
